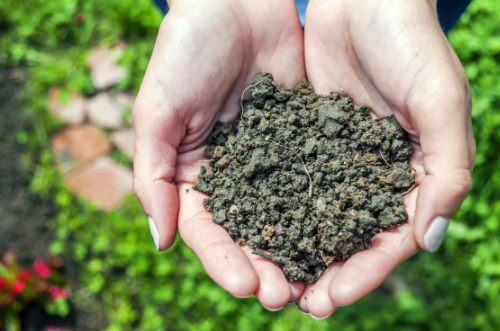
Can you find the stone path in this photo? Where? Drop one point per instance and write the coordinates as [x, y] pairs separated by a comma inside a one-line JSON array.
[[95, 127]]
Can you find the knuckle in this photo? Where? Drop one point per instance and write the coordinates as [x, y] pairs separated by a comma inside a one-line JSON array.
[[462, 183], [137, 188]]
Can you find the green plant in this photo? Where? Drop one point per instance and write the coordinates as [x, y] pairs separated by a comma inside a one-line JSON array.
[[19, 288], [136, 288]]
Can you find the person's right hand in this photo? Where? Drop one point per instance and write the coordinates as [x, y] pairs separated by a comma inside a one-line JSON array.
[[206, 53]]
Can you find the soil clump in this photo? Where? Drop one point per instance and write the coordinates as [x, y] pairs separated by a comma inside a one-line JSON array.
[[306, 180]]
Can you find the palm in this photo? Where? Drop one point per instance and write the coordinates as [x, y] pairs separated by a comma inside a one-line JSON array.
[[366, 51], [389, 55], [202, 61]]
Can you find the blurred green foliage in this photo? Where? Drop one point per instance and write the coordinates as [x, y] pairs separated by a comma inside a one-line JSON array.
[[457, 288]]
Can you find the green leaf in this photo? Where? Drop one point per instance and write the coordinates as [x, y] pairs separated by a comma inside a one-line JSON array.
[[11, 321]]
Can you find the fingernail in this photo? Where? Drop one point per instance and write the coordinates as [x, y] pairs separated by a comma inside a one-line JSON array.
[[154, 233], [242, 296], [435, 233], [273, 309], [319, 318]]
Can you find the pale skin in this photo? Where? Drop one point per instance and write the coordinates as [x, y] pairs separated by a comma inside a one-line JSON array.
[[389, 55]]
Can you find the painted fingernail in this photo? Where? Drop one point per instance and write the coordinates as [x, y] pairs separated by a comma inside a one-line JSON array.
[[435, 233], [273, 309], [154, 233], [319, 318], [242, 296]]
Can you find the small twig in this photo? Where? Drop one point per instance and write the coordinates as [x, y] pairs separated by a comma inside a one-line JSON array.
[[383, 158], [250, 86], [308, 175], [243, 95], [277, 259], [265, 255], [410, 189]]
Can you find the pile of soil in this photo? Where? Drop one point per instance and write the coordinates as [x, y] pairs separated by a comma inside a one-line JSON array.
[[304, 179]]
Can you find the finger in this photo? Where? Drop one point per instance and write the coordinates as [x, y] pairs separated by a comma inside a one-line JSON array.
[[302, 303], [163, 114], [366, 270], [273, 291], [319, 303], [223, 260], [442, 121], [433, 104], [158, 132], [296, 290]]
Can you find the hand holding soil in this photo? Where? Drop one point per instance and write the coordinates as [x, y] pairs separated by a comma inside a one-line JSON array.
[[207, 52], [395, 60], [309, 178], [392, 58]]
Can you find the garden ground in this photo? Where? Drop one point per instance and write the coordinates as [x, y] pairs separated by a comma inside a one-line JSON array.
[[121, 282]]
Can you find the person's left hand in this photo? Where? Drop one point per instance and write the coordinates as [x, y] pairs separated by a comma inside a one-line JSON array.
[[393, 57]]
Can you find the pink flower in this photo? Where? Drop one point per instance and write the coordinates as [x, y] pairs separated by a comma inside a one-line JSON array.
[[57, 292], [18, 286], [42, 269]]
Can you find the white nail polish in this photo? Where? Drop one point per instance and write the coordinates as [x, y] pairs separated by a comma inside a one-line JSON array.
[[271, 309], [435, 233], [154, 232]]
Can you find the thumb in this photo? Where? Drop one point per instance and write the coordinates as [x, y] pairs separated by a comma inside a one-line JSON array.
[[158, 134], [442, 122]]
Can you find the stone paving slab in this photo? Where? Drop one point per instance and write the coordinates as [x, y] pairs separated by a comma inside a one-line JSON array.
[[106, 111], [102, 63], [81, 143], [103, 182], [72, 112], [124, 140]]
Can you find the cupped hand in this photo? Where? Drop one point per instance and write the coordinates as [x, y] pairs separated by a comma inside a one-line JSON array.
[[393, 57], [206, 53]]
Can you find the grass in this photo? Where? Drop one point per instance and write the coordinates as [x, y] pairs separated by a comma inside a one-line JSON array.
[[136, 288]]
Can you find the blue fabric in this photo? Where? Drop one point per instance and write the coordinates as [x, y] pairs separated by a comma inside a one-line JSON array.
[[162, 5], [449, 11], [301, 8]]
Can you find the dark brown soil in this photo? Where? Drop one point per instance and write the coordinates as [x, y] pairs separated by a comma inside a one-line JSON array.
[[24, 216], [306, 180]]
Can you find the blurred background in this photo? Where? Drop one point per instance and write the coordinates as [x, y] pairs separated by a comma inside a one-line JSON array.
[[69, 71]]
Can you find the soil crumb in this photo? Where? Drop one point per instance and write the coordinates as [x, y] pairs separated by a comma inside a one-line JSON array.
[[306, 180]]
